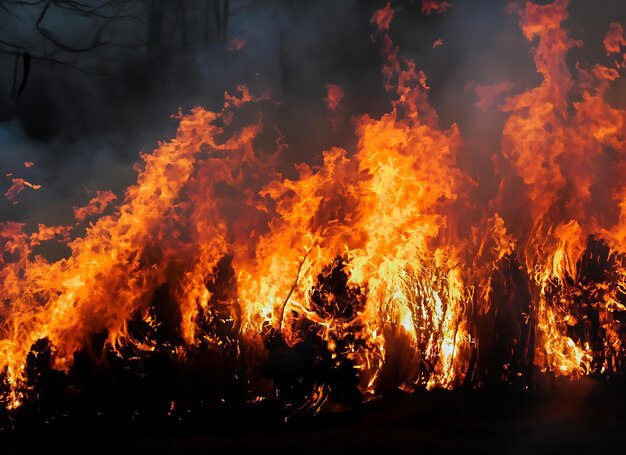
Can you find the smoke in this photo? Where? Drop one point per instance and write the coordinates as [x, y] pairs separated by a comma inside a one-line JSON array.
[[84, 131]]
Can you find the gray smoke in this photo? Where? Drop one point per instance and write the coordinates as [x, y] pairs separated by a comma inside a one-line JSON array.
[[84, 131]]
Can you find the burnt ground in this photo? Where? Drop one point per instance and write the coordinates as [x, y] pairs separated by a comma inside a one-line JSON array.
[[560, 416]]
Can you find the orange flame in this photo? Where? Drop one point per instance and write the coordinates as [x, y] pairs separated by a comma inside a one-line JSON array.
[[614, 39], [96, 205], [382, 252], [552, 151], [381, 19], [18, 185]]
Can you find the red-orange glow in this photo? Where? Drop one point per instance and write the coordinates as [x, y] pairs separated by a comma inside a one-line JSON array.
[[434, 6], [334, 95], [614, 39], [381, 19], [236, 44], [488, 94]]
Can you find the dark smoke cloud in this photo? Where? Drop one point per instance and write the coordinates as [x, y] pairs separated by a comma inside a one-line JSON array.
[[84, 131]]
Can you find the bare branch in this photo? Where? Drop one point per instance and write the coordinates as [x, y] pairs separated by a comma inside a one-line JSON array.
[[218, 20], [225, 15], [54, 61], [82, 8], [72, 65], [95, 43], [24, 3], [8, 11], [16, 46]]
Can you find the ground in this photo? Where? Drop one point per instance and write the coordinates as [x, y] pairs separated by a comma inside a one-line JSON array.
[[566, 416]]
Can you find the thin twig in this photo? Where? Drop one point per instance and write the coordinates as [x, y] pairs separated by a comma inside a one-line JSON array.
[[294, 286], [16, 46], [95, 43], [40, 58], [8, 11]]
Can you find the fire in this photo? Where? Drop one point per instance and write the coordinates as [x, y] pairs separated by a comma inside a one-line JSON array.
[[382, 18], [334, 95], [614, 38], [382, 253], [552, 151], [434, 6], [96, 206], [17, 186]]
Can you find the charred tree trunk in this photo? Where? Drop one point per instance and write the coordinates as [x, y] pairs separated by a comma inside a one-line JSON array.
[[184, 36], [15, 67], [207, 15], [221, 17], [155, 25], [24, 57], [225, 16]]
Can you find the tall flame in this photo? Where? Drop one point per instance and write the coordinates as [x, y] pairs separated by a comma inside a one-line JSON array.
[[382, 252]]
